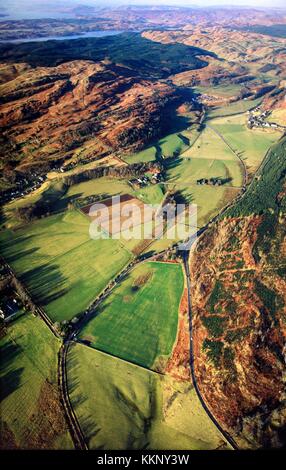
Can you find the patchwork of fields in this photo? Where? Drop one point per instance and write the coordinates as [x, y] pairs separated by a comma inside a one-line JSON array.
[[31, 415], [251, 144], [62, 267], [138, 321], [137, 324], [146, 347], [134, 408], [45, 254]]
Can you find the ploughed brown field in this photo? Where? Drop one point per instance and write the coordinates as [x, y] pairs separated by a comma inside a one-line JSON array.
[[113, 213]]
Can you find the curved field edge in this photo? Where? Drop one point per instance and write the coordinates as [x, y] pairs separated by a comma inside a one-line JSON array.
[[138, 321], [31, 413], [122, 406]]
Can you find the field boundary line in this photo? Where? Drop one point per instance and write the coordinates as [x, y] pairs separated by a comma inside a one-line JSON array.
[[71, 418], [244, 170], [126, 361]]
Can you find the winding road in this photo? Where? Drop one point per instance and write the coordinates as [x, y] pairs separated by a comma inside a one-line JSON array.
[[73, 423], [226, 435]]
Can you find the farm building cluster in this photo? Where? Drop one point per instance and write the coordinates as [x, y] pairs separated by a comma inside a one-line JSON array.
[[22, 187], [152, 177], [10, 303], [257, 118]]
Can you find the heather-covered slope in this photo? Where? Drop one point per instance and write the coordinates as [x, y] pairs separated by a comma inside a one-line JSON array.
[[78, 109], [238, 277]]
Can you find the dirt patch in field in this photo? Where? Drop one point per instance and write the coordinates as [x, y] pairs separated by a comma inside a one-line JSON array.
[[117, 212], [140, 281], [48, 422]]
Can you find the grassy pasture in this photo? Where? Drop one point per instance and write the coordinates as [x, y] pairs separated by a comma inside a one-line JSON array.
[[110, 187], [150, 194], [146, 155], [126, 412], [167, 146], [99, 186], [138, 321], [29, 398], [50, 192], [278, 116], [224, 91], [58, 196], [209, 200], [209, 146], [252, 144], [237, 107], [63, 268], [172, 144], [182, 176]]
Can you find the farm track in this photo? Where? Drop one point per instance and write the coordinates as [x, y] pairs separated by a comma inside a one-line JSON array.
[[226, 435], [25, 293], [72, 421], [244, 170], [74, 426]]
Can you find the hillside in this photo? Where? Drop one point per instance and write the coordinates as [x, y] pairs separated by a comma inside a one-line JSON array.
[[53, 114], [85, 99], [129, 49], [239, 310], [137, 18]]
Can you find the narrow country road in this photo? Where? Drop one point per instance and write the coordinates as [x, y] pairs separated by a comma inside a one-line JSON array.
[[244, 170], [73, 424], [227, 437]]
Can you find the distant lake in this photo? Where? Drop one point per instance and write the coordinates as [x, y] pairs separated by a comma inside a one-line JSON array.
[[89, 34]]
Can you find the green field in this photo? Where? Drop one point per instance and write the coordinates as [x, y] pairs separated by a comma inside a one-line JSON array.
[[58, 196], [146, 155], [99, 186], [261, 195], [179, 138], [173, 144], [51, 192], [168, 146], [237, 107], [210, 146], [150, 194], [30, 410], [120, 406], [183, 173], [138, 321], [62, 267], [224, 91], [188, 170], [251, 144]]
